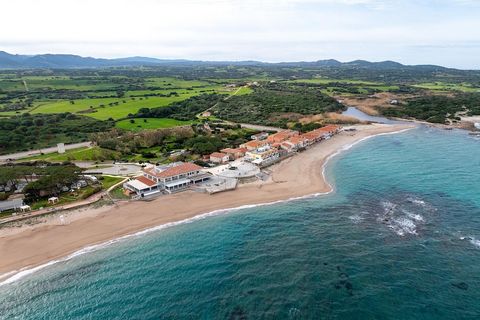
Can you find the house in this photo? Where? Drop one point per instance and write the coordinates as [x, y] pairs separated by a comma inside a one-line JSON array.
[[253, 145], [234, 153], [79, 184], [311, 137], [169, 178], [282, 136], [328, 131], [90, 177], [219, 157], [287, 146], [259, 136], [263, 155], [316, 135], [298, 142]]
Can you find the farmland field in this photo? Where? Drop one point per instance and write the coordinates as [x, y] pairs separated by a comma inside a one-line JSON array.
[[150, 123], [101, 98], [106, 108]]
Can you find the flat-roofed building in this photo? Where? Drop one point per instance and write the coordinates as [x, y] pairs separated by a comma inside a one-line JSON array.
[[262, 155], [259, 136], [169, 178]]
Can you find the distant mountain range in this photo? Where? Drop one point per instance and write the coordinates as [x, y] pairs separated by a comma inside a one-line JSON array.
[[66, 61]]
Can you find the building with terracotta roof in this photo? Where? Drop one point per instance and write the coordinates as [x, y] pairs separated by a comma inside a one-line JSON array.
[[234, 153], [281, 136], [219, 157], [169, 178], [254, 144]]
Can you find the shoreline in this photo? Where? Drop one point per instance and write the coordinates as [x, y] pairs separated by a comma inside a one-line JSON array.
[[27, 249]]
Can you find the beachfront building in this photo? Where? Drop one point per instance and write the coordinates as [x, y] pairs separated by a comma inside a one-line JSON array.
[[166, 178], [254, 144], [294, 143], [219, 157], [319, 134], [281, 136], [263, 155], [234, 153]]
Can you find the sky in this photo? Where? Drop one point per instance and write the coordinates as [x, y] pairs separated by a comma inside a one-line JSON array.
[[442, 32]]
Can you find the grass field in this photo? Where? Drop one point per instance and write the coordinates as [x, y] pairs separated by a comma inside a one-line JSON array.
[[80, 154], [242, 91], [442, 86], [150, 123], [329, 81], [108, 181], [106, 108], [112, 107]]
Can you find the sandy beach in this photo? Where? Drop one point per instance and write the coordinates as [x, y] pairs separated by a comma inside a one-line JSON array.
[[35, 244]]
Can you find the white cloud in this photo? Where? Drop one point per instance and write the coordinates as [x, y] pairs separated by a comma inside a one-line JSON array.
[[249, 29]]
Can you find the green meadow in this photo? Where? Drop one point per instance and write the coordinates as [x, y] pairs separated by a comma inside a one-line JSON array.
[[149, 123], [105, 108], [443, 86], [98, 97]]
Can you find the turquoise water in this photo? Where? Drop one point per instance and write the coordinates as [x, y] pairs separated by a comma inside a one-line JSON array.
[[399, 239]]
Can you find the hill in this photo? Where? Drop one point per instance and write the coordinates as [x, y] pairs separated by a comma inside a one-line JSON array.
[[66, 61]]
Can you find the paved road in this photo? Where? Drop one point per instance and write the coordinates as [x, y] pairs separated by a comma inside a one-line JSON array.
[[20, 155], [260, 128]]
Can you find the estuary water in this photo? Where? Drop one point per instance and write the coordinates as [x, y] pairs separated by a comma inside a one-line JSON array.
[[398, 239], [360, 115]]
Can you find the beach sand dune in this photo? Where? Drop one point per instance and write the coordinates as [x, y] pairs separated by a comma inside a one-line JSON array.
[[297, 176]]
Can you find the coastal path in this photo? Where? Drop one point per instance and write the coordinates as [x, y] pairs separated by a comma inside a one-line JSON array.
[[26, 154]]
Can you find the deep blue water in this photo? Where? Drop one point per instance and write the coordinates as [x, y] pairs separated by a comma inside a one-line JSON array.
[[398, 239]]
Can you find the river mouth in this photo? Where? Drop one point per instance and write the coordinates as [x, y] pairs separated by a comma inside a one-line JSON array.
[[362, 116]]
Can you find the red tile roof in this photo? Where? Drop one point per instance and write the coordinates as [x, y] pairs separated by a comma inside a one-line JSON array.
[[254, 144], [174, 171], [218, 155], [146, 181], [282, 136]]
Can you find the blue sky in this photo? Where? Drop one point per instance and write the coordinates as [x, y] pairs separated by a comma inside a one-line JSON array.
[[412, 32]]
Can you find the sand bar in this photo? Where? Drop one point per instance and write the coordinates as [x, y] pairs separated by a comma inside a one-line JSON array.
[[32, 245]]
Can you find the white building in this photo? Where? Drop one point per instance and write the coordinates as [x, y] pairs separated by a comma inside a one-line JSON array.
[[169, 178]]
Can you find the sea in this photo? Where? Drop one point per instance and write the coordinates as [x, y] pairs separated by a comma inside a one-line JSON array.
[[398, 238]]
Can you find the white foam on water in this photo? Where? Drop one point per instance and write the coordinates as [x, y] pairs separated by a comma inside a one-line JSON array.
[[414, 216], [472, 240], [16, 275], [356, 218], [388, 207], [403, 226], [421, 203]]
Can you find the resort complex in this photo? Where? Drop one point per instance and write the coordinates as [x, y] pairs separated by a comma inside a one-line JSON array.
[[227, 167], [167, 179]]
